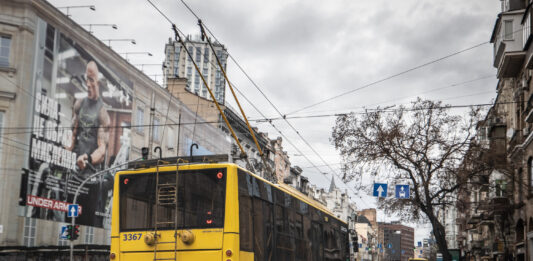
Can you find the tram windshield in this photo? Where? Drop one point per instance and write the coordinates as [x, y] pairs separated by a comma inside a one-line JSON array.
[[201, 200]]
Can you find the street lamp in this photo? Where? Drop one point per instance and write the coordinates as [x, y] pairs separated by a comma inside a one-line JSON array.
[[114, 26], [128, 53], [149, 64], [92, 7], [119, 40]]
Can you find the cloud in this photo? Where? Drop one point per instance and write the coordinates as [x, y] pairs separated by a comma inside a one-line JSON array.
[[302, 52]]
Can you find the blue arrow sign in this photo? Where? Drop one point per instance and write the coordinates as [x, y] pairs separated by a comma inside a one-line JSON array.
[[379, 245], [419, 243], [72, 210], [389, 245], [402, 191], [380, 190], [63, 234]]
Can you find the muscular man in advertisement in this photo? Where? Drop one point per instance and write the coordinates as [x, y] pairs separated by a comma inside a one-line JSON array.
[[73, 138], [90, 136], [90, 125]]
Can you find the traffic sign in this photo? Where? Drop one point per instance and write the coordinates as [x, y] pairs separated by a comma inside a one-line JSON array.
[[389, 245], [380, 190], [72, 210], [379, 245], [419, 243], [64, 231], [402, 191]]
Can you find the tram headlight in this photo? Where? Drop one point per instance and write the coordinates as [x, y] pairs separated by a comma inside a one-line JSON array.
[[187, 237], [149, 239]]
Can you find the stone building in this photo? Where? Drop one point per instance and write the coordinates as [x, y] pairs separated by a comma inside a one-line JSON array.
[[495, 213], [54, 75], [366, 228]]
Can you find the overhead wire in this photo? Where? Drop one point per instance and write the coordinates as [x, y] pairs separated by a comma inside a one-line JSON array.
[[415, 95], [401, 73], [272, 104], [263, 119]]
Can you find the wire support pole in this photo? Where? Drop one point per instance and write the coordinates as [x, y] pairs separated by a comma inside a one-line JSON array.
[[204, 34]]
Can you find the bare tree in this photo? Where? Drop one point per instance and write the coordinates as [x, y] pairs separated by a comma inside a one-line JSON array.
[[424, 146]]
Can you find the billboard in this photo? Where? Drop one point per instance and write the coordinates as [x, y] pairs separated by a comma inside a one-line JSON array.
[[81, 126]]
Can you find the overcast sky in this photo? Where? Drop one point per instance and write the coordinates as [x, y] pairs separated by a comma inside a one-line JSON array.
[[303, 52]]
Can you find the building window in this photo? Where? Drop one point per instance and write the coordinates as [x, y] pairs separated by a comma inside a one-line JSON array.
[[139, 120], [206, 55], [198, 54], [170, 138], [155, 129], [520, 184], [508, 30], [196, 83], [190, 52], [1, 129], [29, 231], [530, 174], [89, 235], [5, 44]]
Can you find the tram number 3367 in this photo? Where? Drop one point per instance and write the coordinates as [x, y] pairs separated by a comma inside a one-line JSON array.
[[132, 236]]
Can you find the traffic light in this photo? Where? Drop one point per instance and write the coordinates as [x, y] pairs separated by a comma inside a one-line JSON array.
[[69, 232], [355, 243], [75, 232], [144, 153]]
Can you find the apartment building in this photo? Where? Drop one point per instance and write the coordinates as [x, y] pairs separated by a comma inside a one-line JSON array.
[[179, 64]]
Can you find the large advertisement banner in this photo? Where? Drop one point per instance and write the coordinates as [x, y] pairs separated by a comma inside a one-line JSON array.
[[81, 126]]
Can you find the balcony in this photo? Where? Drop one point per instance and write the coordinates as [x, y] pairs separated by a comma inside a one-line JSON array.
[[515, 140], [501, 205], [498, 247], [477, 244], [507, 37]]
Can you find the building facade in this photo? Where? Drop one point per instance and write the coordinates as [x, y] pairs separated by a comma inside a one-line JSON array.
[[367, 236], [395, 241], [178, 64], [495, 211], [74, 107]]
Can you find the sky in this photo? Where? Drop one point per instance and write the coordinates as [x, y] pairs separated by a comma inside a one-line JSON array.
[[300, 53]]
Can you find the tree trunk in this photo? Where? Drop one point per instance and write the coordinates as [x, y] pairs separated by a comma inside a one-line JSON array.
[[440, 236]]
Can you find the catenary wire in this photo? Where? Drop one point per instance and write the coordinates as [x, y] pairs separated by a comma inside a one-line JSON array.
[[292, 127]]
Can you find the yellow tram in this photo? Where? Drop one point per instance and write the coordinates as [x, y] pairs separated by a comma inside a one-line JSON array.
[[217, 211]]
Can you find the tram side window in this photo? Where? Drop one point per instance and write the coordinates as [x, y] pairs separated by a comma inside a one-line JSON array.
[[278, 212], [245, 212], [259, 233]]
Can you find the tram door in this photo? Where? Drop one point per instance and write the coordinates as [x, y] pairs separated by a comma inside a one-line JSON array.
[[317, 241]]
